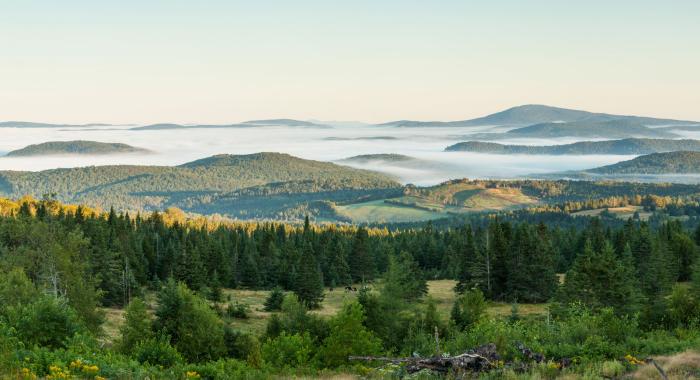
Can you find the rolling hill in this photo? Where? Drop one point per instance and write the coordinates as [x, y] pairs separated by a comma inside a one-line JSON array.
[[531, 114], [629, 146], [247, 124], [195, 183], [613, 129], [75, 147], [28, 124], [382, 157], [656, 163]]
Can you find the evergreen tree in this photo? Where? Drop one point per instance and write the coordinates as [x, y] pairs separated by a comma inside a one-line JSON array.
[[362, 264], [309, 283], [599, 280], [404, 279], [136, 327]]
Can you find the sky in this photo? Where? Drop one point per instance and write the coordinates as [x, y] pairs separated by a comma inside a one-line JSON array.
[[228, 61]]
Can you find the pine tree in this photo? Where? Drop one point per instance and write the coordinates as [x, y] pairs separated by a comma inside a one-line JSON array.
[[362, 264], [467, 257], [136, 327], [404, 280], [600, 279], [309, 282]]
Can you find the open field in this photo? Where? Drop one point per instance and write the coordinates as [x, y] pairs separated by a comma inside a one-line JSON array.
[[382, 212], [440, 290], [625, 212]]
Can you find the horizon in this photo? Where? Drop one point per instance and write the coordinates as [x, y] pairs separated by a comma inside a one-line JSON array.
[[336, 120]]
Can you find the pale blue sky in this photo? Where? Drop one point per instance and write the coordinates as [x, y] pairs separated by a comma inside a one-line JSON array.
[[227, 61]]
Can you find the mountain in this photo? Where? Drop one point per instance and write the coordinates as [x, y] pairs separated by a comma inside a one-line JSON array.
[[625, 146], [162, 126], [613, 129], [383, 157], [247, 124], [27, 124], [536, 114], [656, 163], [286, 122], [197, 183], [74, 147]]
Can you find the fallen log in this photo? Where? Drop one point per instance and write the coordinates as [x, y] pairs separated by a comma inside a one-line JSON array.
[[482, 358]]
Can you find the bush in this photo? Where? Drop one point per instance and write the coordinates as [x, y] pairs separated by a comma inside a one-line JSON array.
[[469, 309], [348, 337], [136, 327], [237, 310], [288, 351], [274, 300], [46, 322], [157, 351]]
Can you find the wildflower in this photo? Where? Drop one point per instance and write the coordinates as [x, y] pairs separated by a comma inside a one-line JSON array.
[[100, 378], [632, 360], [192, 375]]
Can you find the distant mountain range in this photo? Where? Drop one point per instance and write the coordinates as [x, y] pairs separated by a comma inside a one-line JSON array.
[[27, 124], [629, 146], [247, 124], [538, 114], [74, 147]]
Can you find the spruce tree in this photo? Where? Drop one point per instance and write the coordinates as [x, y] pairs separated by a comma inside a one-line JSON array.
[[309, 282]]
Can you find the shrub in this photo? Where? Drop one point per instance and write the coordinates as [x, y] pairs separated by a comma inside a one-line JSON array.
[[274, 300], [237, 310], [47, 322], [157, 351], [288, 351], [136, 327], [348, 336]]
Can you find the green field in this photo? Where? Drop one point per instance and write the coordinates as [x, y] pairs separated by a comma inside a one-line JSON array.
[[420, 204], [382, 212]]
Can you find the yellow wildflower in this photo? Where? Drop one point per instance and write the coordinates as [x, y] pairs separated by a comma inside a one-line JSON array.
[[192, 375]]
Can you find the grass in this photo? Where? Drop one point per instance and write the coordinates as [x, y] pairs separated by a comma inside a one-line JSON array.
[[441, 291], [625, 212], [382, 212], [436, 202]]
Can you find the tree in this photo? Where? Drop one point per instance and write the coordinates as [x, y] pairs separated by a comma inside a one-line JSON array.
[[468, 309], [136, 327], [274, 300], [193, 327], [362, 264], [404, 280], [599, 280], [309, 283], [348, 336]]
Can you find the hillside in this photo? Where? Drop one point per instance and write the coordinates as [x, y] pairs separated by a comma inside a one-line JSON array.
[[75, 147], [247, 124], [27, 124], [657, 163], [383, 157], [624, 147], [614, 129], [199, 182], [537, 114]]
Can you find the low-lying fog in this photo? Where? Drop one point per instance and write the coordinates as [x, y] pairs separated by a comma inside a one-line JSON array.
[[174, 147]]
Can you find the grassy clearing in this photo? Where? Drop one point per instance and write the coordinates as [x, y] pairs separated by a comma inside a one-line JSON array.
[[381, 212], [625, 212], [441, 291]]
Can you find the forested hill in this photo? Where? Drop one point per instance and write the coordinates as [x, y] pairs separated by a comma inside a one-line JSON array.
[[613, 129], [623, 146], [385, 157], [155, 187], [657, 163], [531, 114], [75, 147]]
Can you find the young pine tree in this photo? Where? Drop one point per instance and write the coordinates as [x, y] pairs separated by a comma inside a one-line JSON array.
[[309, 282]]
